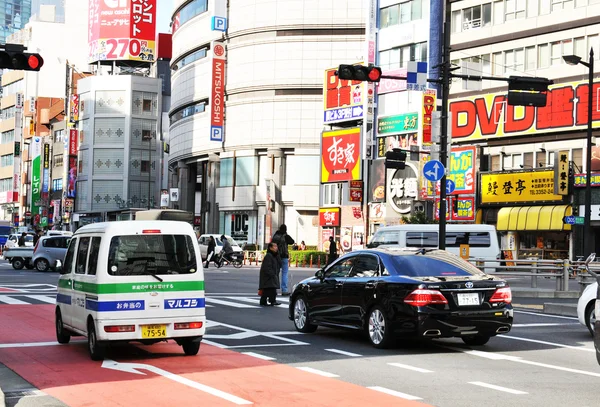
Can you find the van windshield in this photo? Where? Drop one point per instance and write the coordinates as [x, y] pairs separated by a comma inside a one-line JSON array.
[[151, 255]]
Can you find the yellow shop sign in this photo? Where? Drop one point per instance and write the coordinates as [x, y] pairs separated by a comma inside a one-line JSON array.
[[533, 186]]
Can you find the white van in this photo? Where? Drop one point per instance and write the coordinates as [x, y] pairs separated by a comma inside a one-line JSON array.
[[132, 281], [482, 239]]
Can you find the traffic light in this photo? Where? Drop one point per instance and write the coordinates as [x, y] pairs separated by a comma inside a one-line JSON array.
[[14, 57], [359, 73], [395, 159], [528, 91]]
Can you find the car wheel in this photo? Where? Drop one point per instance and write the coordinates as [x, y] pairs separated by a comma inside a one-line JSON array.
[[301, 316], [475, 340], [190, 348], [378, 328], [62, 336], [42, 265], [95, 349], [18, 264], [590, 316]]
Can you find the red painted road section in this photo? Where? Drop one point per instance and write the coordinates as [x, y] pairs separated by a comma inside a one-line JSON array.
[[8, 290], [67, 373]]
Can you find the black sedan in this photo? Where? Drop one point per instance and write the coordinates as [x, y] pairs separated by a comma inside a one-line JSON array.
[[391, 293]]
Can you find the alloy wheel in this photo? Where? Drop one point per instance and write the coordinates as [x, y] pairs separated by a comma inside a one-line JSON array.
[[300, 313], [376, 326]]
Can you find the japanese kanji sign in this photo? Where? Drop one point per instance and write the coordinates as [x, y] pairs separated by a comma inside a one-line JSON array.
[[561, 173], [403, 188], [343, 99], [462, 171], [463, 208], [402, 123], [580, 180], [533, 186], [121, 30], [428, 108], [36, 181], [329, 217], [340, 156]]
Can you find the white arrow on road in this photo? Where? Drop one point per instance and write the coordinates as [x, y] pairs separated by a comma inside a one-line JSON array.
[[434, 174], [136, 367]]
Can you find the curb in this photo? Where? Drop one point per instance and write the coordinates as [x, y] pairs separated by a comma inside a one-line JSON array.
[[567, 310], [2, 404], [533, 293]]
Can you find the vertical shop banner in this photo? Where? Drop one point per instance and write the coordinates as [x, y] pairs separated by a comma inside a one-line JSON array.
[[72, 177], [343, 99], [17, 157], [74, 111], [356, 191], [358, 237], [346, 238], [340, 156], [377, 182], [325, 234], [561, 172], [463, 209], [448, 208], [217, 102], [73, 142], [429, 104], [461, 171], [329, 217], [56, 213], [142, 38], [36, 182], [46, 171]]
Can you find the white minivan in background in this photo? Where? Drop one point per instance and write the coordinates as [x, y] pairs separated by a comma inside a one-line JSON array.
[[132, 281], [482, 239]]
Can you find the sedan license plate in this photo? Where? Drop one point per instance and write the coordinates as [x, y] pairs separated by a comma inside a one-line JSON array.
[[468, 299], [154, 331]]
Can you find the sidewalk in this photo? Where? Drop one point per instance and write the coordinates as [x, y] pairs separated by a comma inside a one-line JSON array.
[[16, 391]]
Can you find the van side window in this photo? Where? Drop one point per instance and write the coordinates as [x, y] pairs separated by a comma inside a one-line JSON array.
[[480, 239], [69, 257], [385, 237], [93, 258], [473, 239], [422, 239], [82, 251]]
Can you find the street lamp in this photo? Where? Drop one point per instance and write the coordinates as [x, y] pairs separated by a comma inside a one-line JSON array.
[[587, 230]]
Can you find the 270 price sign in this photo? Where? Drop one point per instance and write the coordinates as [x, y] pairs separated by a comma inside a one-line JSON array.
[[120, 47]]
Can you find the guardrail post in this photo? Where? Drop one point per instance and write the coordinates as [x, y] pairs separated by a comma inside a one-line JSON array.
[[565, 282], [534, 278], [310, 261]]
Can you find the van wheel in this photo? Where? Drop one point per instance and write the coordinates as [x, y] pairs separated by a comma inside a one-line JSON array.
[[42, 265], [190, 348], [95, 349], [18, 264], [62, 336]]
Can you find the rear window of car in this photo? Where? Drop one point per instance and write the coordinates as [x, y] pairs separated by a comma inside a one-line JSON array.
[[151, 254], [433, 265]]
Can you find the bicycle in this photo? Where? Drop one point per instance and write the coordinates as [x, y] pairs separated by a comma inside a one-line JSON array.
[[237, 260]]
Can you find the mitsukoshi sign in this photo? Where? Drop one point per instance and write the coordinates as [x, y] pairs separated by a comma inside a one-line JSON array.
[[490, 116]]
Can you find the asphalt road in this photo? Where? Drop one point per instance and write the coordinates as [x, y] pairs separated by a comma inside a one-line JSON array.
[[544, 361]]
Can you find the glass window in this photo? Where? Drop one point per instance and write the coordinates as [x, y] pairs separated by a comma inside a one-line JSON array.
[[416, 10], [532, 8], [545, 6], [498, 12], [454, 239], [387, 237], [384, 60], [456, 21], [93, 260], [188, 111], [188, 59], [365, 266], [189, 11], [340, 269], [579, 47], [543, 56], [479, 239], [69, 257], [309, 175], [6, 160], [246, 171], [486, 14], [433, 264], [530, 59], [405, 12], [555, 53], [82, 251], [592, 43], [384, 16], [498, 63], [519, 60], [149, 254], [8, 137], [226, 172], [422, 239]]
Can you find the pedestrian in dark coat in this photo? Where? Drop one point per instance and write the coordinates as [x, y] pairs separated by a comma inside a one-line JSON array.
[[210, 250], [333, 253], [269, 276]]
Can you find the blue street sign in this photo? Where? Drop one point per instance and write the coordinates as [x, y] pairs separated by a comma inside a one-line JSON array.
[[434, 170], [569, 220], [450, 186]]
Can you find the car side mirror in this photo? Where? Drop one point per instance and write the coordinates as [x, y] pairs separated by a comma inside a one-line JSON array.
[[590, 259], [58, 267], [320, 274]]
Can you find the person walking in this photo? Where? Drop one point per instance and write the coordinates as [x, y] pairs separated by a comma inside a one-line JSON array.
[[333, 252], [269, 276], [210, 250], [37, 236], [282, 239]]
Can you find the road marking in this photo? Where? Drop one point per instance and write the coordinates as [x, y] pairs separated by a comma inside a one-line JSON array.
[[416, 369], [343, 352], [136, 367], [256, 300], [258, 356], [558, 345], [229, 303], [34, 344], [319, 372], [12, 301], [43, 298], [541, 325], [499, 388], [394, 393], [544, 315]]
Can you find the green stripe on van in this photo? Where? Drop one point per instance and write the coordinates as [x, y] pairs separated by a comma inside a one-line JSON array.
[[127, 288]]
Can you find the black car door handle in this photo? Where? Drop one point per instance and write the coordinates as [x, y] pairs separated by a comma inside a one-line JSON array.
[[338, 285], [370, 284]]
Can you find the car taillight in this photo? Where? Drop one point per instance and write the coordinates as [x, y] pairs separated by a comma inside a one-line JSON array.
[[151, 231], [188, 325], [421, 298], [119, 328], [502, 295]]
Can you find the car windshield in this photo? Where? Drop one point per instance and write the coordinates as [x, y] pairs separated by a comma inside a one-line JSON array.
[[151, 255], [434, 265]]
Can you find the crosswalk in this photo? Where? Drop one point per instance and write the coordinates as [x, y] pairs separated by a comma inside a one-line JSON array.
[[224, 301]]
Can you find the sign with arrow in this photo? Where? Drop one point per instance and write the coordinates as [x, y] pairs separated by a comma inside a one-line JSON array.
[[450, 186], [434, 170], [574, 220]]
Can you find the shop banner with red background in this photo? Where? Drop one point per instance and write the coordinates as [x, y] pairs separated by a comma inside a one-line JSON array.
[[459, 209], [329, 217], [122, 30], [340, 156]]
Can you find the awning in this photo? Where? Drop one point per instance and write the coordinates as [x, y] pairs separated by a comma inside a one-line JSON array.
[[534, 218]]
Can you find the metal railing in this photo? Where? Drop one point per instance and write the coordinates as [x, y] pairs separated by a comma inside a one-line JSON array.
[[561, 270]]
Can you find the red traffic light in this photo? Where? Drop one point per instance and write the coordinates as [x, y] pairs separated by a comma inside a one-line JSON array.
[[35, 62], [359, 73], [374, 74]]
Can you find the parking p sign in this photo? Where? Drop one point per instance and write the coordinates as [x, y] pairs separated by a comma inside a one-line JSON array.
[[218, 24]]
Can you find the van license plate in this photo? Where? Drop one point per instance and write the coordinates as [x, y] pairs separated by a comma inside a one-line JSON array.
[[468, 299], [154, 331]]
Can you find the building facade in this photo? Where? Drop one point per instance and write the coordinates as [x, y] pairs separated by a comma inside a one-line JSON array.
[[13, 16], [245, 133]]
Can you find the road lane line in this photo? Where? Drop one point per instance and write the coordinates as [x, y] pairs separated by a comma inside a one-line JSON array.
[[319, 372], [558, 345], [541, 325], [544, 315], [258, 356], [34, 344], [5, 299], [343, 352], [408, 367], [394, 393], [228, 303], [42, 298], [499, 388]]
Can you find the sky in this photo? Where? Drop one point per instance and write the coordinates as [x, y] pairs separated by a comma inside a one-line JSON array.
[[164, 12]]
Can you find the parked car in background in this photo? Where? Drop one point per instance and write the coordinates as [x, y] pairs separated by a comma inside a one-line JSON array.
[[48, 249], [13, 240], [203, 243], [19, 257], [393, 292], [586, 307], [5, 230]]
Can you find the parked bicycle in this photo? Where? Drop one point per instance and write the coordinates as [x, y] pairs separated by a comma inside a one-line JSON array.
[[236, 260]]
